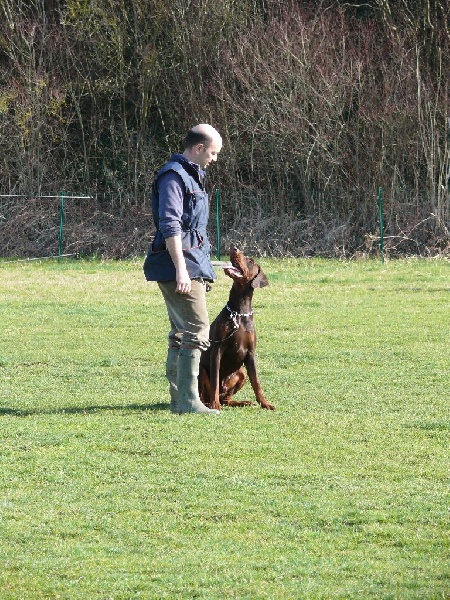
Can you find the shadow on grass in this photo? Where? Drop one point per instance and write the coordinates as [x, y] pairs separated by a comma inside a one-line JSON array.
[[85, 410]]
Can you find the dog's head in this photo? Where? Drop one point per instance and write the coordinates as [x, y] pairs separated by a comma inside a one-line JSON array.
[[245, 270]]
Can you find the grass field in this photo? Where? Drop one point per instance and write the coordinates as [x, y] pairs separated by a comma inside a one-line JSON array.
[[343, 492]]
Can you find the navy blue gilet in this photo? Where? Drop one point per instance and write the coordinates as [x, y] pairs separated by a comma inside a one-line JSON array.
[[158, 265]]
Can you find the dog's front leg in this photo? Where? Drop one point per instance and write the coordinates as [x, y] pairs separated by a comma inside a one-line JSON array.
[[214, 376], [250, 365]]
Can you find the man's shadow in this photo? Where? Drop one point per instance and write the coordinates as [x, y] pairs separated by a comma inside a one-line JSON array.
[[83, 410]]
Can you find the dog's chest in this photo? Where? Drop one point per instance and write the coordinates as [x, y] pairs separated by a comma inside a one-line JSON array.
[[238, 348]]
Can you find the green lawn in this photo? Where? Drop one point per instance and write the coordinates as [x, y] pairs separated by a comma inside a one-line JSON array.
[[343, 492]]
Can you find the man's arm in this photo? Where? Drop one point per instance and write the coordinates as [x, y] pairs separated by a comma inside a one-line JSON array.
[[176, 254], [171, 194]]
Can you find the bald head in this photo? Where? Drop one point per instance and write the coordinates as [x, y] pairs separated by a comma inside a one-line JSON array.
[[201, 134], [202, 144]]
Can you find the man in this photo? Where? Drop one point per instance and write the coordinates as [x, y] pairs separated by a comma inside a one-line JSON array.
[[179, 260]]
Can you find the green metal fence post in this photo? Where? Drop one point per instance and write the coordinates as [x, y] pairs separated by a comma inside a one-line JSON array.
[[218, 222], [380, 206], [61, 227]]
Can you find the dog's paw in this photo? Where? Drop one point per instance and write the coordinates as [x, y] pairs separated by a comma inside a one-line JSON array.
[[268, 406]]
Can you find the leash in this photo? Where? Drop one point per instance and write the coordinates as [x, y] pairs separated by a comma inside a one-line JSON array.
[[234, 317]]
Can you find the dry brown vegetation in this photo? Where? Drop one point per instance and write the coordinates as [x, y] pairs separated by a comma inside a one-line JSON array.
[[319, 104]]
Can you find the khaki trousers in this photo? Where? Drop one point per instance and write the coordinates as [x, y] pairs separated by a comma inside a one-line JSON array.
[[188, 315]]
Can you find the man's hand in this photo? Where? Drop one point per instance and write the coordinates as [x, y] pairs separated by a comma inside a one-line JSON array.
[[183, 282]]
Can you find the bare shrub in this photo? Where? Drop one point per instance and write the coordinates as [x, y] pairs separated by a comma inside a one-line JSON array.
[[319, 104], [322, 111]]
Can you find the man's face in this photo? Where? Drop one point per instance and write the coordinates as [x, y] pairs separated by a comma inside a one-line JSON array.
[[208, 154]]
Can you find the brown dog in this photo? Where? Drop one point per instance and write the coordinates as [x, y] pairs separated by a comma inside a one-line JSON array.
[[233, 340]]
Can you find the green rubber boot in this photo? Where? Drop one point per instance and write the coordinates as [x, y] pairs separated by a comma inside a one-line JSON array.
[[171, 374], [187, 383]]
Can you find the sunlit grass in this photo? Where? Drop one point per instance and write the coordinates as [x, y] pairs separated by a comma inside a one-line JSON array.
[[341, 493]]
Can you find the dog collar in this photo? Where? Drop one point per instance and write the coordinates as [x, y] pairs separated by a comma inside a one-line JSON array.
[[234, 315]]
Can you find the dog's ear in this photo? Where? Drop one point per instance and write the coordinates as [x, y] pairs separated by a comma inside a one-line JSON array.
[[260, 280]]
